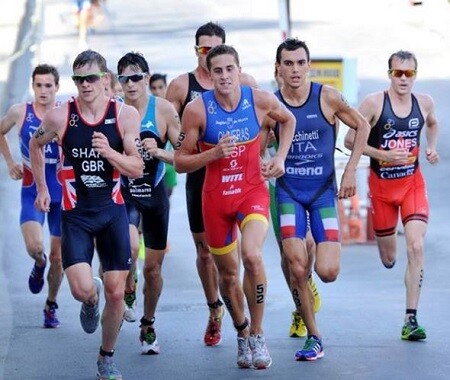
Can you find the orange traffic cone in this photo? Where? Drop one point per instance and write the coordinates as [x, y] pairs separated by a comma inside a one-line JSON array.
[[355, 224]]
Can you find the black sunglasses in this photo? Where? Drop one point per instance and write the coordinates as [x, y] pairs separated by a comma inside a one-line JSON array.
[[90, 78], [133, 77]]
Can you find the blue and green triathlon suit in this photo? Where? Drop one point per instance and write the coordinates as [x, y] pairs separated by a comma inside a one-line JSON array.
[[28, 212], [194, 180], [309, 182], [147, 197], [93, 206]]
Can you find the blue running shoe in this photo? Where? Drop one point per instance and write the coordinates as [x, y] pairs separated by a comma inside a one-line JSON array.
[[50, 318], [312, 349], [36, 279], [90, 314]]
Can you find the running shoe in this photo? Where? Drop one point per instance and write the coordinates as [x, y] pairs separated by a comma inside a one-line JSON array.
[[107, 370], [50, 318], [389, 265], [36, 279], [316, 295], [412, 331], [90, 314], [130, 307], [244, 356], [298, 327], [261, 357], [312, 350], [149, 342], [213, 335]]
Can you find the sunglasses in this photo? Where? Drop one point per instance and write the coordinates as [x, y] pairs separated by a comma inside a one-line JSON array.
[[399, 73], [133, 77], [203, 50], [90, 78]]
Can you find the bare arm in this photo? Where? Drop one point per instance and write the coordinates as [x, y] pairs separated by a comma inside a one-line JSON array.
[[170, 120], [432, 129], [52, 124], [177, 91], [267, 134], [370, 108], [278, 113], [355, 121], [186, 157], [13, 117], [129, 164]]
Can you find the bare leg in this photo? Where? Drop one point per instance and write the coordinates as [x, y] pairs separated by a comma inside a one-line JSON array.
[[55, 273], [414, 232]]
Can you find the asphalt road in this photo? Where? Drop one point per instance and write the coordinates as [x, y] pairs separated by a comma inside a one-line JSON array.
[[362, 311]]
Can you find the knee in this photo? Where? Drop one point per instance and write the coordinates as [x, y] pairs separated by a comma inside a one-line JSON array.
[[204, 256], [253, 262], [55, 259], [113, 293], [80, 293], [151, 272], [229, 278], [416, 247], [329, 274], [34, 248], [298, 270]]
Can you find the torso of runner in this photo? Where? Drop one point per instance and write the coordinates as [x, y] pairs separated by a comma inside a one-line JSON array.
[[86, 176], [392, 132], [311, 156], [234, 173], [30, 124], [154, 168]]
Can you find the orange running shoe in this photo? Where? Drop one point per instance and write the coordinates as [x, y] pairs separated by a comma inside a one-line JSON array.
[[213, 335]]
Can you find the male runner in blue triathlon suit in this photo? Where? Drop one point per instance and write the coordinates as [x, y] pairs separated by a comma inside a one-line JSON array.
[[27, 117], [309, 185]]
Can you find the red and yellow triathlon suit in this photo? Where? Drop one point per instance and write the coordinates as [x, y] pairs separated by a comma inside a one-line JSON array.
[[394, 187], [234, 191]]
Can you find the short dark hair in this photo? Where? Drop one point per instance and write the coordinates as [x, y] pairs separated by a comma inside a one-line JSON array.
[[89, 57], [134, 59], [402, 55], [291, 44], [210, 29], [43, 69], [221, 50], [158, 76]]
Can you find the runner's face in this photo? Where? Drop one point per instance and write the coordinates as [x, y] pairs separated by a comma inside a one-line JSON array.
[[402, 84], [44, 88], [206, 41], [91, 91], [294, 68], [224, 73], [135, 90]]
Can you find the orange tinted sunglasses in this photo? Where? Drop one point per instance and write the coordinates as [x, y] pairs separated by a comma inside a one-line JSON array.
[[399, 73], [203, 50]]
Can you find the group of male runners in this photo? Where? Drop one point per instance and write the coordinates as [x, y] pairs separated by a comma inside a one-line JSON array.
[[111, 156]]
